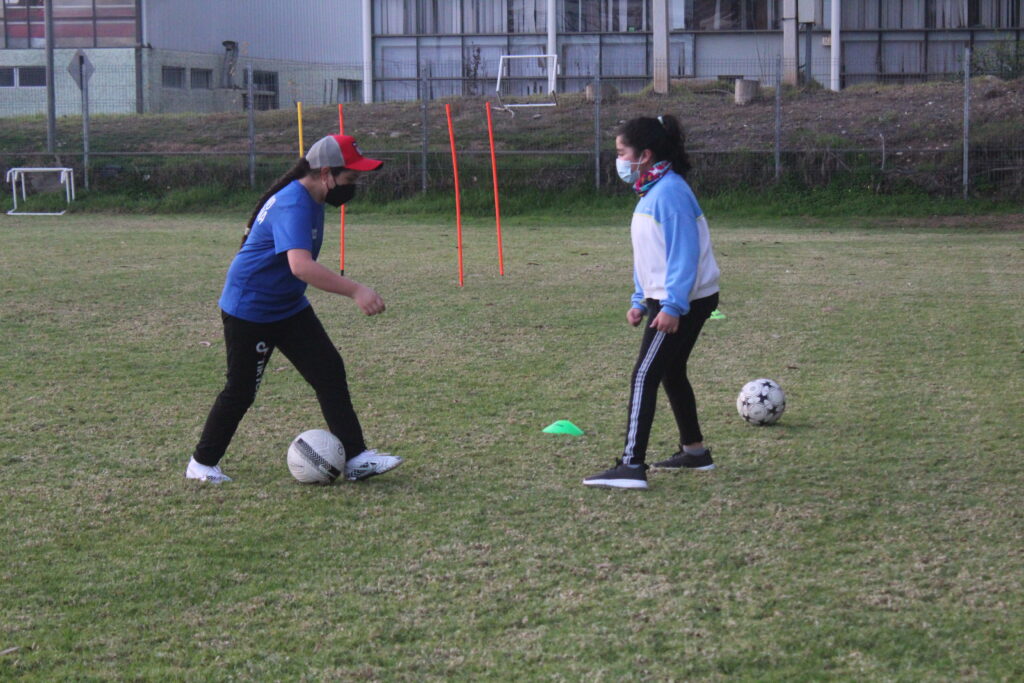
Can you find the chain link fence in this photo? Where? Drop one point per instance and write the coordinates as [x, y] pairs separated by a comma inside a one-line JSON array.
[[959, 134]]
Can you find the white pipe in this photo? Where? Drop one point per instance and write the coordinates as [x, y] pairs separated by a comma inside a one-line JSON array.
[[367, 52], [144, 22], [552, 45], [836, 55]]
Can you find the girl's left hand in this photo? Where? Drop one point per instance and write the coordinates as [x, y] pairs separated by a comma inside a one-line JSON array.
[[664, 322], [368, 300]]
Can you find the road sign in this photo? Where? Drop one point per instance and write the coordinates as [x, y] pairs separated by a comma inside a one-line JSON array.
[[80, 68]]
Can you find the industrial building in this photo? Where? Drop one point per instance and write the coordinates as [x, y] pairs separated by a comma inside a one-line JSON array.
[[158, 56], [453, 46], [196, 55]]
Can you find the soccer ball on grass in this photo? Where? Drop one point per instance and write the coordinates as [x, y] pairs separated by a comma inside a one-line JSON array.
[[316, 457], [761, 402]]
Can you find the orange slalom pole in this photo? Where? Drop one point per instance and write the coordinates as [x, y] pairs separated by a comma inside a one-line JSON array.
[[458, 205], [298, 112], [341, 244], [494, 175]]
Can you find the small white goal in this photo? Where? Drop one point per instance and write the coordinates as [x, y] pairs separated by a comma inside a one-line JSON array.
[[526, 81], [16, 176]]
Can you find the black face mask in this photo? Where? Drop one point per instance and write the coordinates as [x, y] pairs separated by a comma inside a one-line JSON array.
[[339, 194]]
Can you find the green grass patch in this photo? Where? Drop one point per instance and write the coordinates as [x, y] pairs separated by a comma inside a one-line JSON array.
[[573, 205], [875, 533]]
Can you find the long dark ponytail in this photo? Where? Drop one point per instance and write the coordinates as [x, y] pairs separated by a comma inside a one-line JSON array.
[[297, 172], [663, 136]]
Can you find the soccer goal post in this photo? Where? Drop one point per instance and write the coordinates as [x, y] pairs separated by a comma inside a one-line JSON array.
[[526, 81]]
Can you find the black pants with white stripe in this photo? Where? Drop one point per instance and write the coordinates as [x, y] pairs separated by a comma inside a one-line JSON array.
[[662, 361], [303, 340]]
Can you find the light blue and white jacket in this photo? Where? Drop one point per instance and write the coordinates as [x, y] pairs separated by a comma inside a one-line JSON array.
[[672, 257]]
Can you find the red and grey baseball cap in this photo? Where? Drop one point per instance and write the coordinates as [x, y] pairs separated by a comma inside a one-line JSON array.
[[339, 150]]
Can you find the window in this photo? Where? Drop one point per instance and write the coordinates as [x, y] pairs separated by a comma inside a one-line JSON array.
[[349, 90], [903, 14], [612, 16], [23, 23], [76, 23], [73, 24], [994, 13], [264, 86], [201, 79], [115, 23], [938, 14], [946, 14], [173, 76], [394, 17], [22, 76], [529, 16], [480, 16], [407, 17], [734, 15], [439, 16], [32, 76]]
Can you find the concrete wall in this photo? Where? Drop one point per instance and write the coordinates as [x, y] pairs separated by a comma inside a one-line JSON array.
[[750, 54], [286, 30], [111, 87], [160, 99], [312, 84], [906, 56]]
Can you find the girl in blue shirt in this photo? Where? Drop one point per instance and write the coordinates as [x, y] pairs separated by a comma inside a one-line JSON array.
[[675, 279], [264, 307]]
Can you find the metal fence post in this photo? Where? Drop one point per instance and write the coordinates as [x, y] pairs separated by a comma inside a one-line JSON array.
[[250, 107], [51, 96], [85, 121], [597, 130], [425, 147], [778, 119], [967, 119]]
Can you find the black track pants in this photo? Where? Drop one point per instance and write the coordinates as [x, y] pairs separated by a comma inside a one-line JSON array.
[[303, 341], [662, 360]]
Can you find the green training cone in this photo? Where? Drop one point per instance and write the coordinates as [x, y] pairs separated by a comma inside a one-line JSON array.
[[717, 315], [563, 427]]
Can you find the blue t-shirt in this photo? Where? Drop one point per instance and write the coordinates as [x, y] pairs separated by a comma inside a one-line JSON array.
[[260, 286]]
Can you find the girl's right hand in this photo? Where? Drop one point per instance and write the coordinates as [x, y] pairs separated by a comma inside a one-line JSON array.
[[634, 316], [369, 301]]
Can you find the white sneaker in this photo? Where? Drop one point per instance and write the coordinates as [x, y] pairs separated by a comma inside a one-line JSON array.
[[201, 472], [370, 463]]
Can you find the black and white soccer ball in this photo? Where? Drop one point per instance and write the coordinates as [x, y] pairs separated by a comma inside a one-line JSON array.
[[316, 457], [761, 402]]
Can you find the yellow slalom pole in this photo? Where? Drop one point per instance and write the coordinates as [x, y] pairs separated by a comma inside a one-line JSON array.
[[298, 110]]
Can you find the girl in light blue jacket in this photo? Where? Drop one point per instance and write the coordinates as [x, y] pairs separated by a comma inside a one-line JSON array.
[[675, 279]]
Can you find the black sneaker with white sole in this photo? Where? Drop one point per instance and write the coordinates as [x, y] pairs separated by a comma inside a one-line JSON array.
[[620, 477], [687, 461]]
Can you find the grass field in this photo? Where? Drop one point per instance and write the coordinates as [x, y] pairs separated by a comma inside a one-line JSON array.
[[875, 533]]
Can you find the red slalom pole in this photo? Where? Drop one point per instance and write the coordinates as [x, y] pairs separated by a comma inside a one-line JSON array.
[[458, 204], [494, 175], [341, 245]]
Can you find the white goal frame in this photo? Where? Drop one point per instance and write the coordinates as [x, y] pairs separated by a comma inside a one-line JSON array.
[[552, 76], [14, 175]]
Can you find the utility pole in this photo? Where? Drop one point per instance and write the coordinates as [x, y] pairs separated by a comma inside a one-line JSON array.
[[51, 98], [790, 58], [659, 25]]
